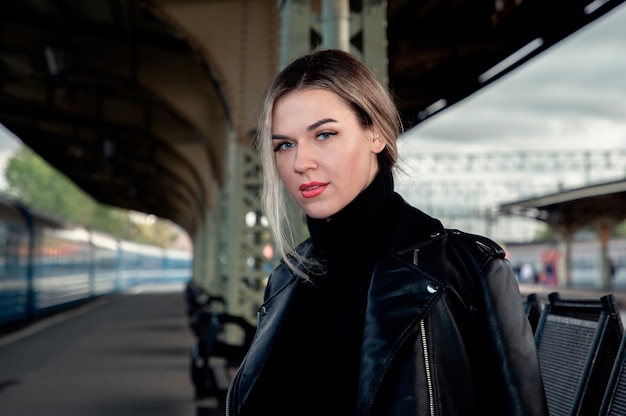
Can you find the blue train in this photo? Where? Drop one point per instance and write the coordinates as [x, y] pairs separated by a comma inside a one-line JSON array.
[[47, 264]]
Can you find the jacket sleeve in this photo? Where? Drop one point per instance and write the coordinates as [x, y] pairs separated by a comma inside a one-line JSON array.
[[507, 346]]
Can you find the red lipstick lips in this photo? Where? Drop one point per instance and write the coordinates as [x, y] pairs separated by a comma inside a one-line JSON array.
[[312, 189]]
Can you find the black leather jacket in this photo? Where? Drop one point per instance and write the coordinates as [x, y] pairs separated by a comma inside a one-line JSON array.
[[445, 331]]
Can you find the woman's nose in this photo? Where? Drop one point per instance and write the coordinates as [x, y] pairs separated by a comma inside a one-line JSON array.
[[304, 159]]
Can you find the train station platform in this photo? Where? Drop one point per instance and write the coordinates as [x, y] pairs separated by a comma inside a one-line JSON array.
[[121, 355]]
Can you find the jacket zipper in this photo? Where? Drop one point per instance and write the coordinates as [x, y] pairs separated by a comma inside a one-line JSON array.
[[429, 379], [228, 394]]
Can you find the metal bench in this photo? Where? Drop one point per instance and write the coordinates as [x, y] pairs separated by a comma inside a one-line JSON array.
[[577, 342]]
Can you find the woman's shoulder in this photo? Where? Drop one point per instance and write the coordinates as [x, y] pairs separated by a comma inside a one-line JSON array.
[[478, 245], [415, 228], [282, 275]]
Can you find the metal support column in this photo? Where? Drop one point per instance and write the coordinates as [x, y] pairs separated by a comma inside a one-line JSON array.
[[564, 261], [604, 227], [246, 239], [362, 32], [206, 250], [373, 28], [336, 24], [296, 19]]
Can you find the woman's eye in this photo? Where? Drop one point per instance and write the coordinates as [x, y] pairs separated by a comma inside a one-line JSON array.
[[283, 146], [325, 135]]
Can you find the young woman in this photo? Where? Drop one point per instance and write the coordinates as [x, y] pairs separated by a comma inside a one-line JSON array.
[[382, 311]]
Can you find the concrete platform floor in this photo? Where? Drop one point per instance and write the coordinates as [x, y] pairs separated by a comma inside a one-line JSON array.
[[122, 355]]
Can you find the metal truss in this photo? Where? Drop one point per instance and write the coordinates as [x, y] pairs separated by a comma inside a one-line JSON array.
[[585, 161], [472, 184], [246, 254]]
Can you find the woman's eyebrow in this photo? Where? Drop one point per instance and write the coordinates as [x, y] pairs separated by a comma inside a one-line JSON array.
[[309, 128], [319, 123]]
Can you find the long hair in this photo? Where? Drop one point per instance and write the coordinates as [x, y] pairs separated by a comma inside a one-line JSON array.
[[338, 72]]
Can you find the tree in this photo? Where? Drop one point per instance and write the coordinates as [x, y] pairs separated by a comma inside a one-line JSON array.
[[34, 182], [31, 180], [620, 229]]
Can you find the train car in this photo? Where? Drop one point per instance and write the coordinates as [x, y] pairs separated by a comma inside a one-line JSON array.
[[47, 264], [106, 274], [178, 266], [14, 263], [141, 264], [542, 259], [61, 265]]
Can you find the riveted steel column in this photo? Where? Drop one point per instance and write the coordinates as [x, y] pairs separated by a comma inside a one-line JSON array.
[[206, 250], [336, 24], [245, 236], [373, 23], [295, 28]]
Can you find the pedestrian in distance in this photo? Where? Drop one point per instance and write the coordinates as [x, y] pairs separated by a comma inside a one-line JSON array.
[[381, 310]]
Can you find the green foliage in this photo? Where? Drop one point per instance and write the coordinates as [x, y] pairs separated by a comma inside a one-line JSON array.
[[620, 229], [33, 181], [544, 233]]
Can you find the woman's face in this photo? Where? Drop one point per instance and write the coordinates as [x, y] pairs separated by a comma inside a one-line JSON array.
[[323, 155]]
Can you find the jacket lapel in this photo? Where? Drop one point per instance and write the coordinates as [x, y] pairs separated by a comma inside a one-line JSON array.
[[400, 295], [270, 317]]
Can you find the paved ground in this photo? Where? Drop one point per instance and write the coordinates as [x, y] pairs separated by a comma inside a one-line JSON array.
[[120, 356]]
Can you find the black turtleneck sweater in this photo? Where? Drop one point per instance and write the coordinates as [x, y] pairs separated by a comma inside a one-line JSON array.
[[313, 367]]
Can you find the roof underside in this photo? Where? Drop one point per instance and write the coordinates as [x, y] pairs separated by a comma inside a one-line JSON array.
[[574, 208], [120, 98], [440, 52]]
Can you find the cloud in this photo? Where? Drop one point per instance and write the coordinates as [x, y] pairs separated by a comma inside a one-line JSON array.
[[571, 96]]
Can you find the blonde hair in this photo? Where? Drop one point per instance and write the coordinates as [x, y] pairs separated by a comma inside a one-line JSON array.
[[344, 75]]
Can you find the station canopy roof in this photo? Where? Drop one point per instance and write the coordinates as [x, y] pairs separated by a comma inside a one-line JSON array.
[[574, 208], [135, 101]]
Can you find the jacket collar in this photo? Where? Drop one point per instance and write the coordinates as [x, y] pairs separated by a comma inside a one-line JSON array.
[[412, 227]]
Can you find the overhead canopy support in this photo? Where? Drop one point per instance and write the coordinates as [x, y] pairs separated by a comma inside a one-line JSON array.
[[576, 207], [600, 206]]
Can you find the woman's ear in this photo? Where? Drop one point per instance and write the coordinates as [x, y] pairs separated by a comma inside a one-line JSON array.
[[377, 141]]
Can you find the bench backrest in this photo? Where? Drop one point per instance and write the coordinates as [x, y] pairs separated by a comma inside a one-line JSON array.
[[577, 342]]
